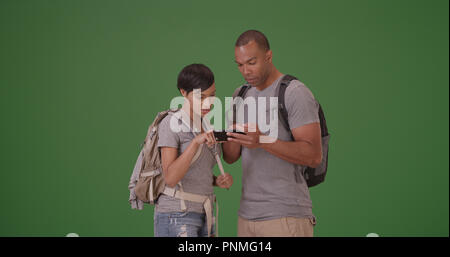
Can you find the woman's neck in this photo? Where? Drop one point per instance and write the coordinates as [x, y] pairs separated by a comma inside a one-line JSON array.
[[191, 115]]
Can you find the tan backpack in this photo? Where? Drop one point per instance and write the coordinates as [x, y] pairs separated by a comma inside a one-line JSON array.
[[147, 181]]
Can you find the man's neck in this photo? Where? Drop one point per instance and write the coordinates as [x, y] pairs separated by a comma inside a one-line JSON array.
[[274, 75]]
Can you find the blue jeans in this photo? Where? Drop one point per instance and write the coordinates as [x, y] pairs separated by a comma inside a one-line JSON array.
[[180, 224]]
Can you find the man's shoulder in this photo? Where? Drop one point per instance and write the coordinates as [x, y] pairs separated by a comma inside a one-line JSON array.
[[295, 83], [296, 89]]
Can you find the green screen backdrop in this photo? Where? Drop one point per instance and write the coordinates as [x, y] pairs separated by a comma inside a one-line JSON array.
[[82, 80]]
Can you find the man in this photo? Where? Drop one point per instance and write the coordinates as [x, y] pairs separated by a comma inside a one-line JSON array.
[[275, 197]]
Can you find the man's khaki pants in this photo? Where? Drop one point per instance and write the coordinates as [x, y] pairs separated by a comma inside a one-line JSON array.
[[282, 227]]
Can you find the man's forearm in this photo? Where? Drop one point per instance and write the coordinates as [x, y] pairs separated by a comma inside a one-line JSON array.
[[231, 151], [298, 152]]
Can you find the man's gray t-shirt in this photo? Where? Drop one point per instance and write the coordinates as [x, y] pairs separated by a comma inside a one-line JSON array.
[[272, 187], [198, 179]]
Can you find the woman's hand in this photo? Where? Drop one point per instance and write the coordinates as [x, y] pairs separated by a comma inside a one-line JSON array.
[[224, 181], [206, 137]]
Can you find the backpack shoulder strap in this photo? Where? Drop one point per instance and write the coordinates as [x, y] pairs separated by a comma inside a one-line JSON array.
[[241, 91], [323, 122], [284, 83], [282, 106]]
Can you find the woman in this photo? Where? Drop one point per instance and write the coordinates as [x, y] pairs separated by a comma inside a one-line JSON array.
[[173, 216]]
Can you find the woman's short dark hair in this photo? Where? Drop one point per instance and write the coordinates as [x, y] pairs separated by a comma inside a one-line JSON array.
[[195, 76]]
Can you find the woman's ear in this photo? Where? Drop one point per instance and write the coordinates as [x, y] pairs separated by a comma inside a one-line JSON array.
[[183, 92]]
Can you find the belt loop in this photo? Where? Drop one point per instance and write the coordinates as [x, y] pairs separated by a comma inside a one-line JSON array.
[[313, 220]]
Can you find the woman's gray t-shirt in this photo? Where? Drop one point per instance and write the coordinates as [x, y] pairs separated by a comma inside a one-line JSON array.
[[198, 179]]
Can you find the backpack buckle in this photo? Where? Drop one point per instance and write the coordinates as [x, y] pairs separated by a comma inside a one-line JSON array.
[[169, 191]]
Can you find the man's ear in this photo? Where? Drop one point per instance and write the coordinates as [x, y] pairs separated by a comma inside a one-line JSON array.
[[269, 56]]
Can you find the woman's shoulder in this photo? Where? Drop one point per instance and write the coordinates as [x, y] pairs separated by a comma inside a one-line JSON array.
[[167, 136], [171, 124], [166, 120], [169, 116]]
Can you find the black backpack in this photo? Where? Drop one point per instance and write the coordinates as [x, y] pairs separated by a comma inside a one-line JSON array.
[[313, 176]]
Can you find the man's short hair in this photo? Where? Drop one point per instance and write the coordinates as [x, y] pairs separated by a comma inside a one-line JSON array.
[[255, 35]]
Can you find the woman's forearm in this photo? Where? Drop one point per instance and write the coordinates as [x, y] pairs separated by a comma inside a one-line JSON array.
[[179, 168]]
